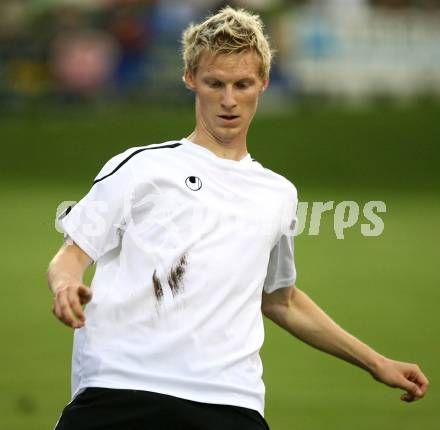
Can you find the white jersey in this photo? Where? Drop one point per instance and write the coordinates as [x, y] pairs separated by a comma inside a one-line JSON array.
[[184, 244]]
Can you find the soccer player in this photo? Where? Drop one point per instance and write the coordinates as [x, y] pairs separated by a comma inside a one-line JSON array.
[[192, 241]]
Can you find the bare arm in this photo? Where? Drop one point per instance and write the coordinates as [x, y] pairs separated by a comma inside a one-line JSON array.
[[293, 310], [65, 276]]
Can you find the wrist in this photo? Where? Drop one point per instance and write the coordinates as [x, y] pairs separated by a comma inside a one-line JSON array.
[[60, 284], [375, 363]]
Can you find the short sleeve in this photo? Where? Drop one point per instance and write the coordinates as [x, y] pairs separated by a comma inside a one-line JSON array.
[[281, 270], [96, 221]]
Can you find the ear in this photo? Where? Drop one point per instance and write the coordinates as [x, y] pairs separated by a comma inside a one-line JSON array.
[[264, 85], [188, 80]]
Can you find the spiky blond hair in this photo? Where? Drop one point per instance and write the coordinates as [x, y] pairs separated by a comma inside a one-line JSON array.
[[228, 31]]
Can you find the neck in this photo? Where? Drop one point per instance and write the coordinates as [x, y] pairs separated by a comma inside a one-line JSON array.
[[228, 150]]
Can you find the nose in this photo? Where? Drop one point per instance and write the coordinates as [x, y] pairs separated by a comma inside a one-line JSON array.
[[228, 101]]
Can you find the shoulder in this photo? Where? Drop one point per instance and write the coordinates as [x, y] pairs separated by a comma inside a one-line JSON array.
[[140, 151], [118, 163], [277, 180]]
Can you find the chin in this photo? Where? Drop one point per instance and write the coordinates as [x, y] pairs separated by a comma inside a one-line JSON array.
[[228, 131], [226, 137]]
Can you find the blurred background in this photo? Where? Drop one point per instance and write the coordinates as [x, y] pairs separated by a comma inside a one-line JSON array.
[[107, 50], [352, 113]]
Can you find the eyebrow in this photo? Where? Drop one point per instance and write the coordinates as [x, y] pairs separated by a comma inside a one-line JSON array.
[[248, 80], [212, 79]]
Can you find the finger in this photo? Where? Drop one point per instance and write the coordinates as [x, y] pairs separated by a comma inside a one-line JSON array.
[[422, 382], [407, 397], [75, 305], [85, 294], [411, 388], [413, 391], [56, 310], [67, 315]]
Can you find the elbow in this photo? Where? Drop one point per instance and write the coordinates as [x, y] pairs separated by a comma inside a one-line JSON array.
[[276, 312], [278, 305]]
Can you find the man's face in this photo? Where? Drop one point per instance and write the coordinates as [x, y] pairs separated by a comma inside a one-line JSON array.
[[227, 89]]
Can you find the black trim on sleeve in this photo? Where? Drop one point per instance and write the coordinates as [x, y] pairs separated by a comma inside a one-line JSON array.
[[66, 212], [173, 145]]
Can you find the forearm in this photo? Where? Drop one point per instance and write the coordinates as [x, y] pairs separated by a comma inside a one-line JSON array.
[[66, 267], [307, 321], [65, 275]]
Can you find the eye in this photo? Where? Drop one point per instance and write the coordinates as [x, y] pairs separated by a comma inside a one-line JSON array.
[[242, 85], [214, 84]]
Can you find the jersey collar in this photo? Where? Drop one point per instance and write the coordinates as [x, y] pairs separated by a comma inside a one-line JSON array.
[[208, 153]]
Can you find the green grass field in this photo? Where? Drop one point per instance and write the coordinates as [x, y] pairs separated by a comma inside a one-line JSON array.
[[383, 289]]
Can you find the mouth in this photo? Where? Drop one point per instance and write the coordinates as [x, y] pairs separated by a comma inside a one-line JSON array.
[[228, 117]]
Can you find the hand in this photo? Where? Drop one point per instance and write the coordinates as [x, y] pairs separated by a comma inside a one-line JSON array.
[[68, 301], [406, 376]]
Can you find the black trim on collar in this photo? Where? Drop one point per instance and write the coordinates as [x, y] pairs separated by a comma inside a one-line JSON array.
[[173, 145]]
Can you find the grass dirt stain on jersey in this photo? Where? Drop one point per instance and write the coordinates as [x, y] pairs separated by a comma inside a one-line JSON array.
[[157, 285], [175, 279], [176, 275]]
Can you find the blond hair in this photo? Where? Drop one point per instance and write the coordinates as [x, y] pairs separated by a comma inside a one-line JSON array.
[[227, 32]]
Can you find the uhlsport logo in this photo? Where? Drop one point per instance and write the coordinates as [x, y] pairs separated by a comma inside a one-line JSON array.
[[193, 183]]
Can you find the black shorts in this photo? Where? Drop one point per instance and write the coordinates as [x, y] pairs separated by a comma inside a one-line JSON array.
[[112, 409]]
